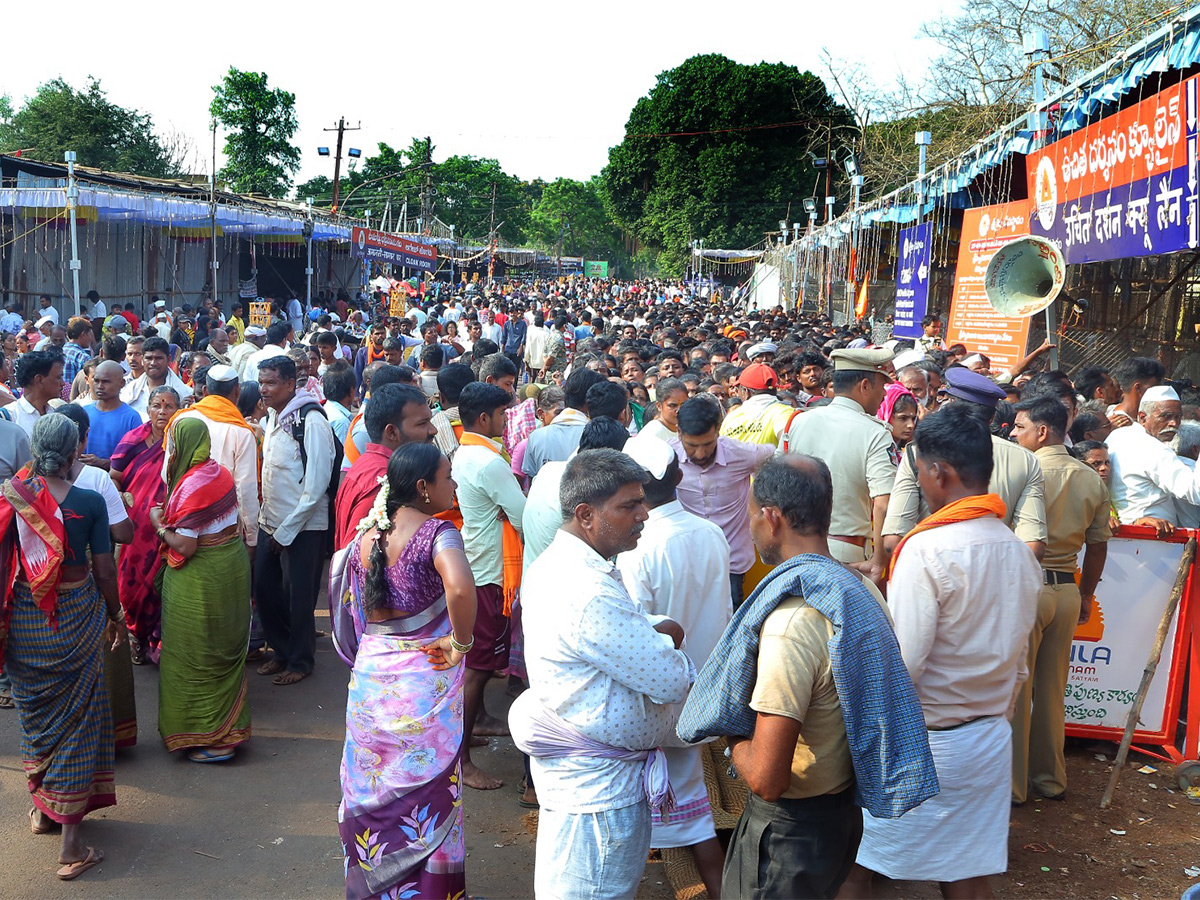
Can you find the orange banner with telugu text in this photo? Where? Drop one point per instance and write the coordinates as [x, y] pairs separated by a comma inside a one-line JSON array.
[[973, 322]]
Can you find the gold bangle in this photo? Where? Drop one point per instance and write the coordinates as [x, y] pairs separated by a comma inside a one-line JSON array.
[[462, 648]]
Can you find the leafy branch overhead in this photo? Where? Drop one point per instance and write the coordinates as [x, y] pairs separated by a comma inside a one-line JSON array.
[[260, 122]]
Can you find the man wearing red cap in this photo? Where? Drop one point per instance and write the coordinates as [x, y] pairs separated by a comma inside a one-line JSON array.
[[760, 418]]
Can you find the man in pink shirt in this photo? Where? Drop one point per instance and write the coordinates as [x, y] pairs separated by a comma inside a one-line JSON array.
[[716, 480]]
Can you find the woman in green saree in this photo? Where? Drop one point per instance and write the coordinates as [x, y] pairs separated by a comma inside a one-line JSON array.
[[202, 704]]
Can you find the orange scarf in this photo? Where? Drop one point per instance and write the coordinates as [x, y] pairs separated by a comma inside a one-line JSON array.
[[220, 409], [512, 549], [974, 507], [349, 448]]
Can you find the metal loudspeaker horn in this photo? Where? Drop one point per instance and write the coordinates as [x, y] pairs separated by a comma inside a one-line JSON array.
[[1025, 277]]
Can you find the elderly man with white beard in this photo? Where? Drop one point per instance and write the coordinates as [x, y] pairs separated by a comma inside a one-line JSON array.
[[1147, 477]]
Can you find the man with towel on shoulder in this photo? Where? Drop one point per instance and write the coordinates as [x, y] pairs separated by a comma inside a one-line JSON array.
[[963, 592]]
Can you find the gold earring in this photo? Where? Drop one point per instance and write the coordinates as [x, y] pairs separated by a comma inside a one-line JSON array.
[[426, 499]]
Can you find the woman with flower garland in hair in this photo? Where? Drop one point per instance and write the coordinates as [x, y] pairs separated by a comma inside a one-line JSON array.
[[403, 616]]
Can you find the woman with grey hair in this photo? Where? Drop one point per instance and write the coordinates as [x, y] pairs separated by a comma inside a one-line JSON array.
[[62, 610], [137, 467]]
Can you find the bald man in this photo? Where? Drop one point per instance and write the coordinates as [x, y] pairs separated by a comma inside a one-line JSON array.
[[111, 419]]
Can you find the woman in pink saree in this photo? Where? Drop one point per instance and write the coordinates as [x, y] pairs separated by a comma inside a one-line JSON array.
[[137, 466], [402, 604]]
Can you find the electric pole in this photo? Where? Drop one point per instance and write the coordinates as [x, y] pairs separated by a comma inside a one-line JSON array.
[[341, 129], [492, 237], [428, 191]]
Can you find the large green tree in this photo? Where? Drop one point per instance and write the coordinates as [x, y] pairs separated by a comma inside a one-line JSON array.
[[571, 214], [259, 155], [58, 118], [720, 151]]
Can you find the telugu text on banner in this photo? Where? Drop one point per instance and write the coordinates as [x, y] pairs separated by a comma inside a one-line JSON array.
[[1125, 185]]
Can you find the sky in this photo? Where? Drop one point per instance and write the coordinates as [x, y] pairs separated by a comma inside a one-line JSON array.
[[545, 88]]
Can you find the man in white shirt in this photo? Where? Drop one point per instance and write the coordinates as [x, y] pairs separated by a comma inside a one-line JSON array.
[[280, 336], [156, 372], [233, 443], [40, 375], [491, 330], [46, 309], [1147, 477], [491, 502], [963, 594], [95, 308], [295, 315], [603, 675], [678, 570], [293, 520], [256, 339], [537, 338]]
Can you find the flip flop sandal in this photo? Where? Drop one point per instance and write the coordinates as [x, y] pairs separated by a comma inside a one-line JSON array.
[[271, 667], [7, 702], [525, 804], [205, 755], [71, 871], [289, 678], [40, 829]]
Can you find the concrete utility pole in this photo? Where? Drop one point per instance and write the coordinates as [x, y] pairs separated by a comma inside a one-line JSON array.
[[72, 203]]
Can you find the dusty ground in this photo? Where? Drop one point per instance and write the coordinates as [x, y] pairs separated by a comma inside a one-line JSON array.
[[265, 825]]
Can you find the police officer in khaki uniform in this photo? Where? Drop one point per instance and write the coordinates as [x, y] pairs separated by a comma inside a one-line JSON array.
[[1077, 518], [1016, 475], [858, 449]]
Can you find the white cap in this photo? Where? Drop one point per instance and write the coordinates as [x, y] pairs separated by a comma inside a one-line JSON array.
[[908, 358], [651, 453], [255, 331], [972, 359], [1160, 394], [222, 373], [760, 348], [44, 320], [160, 304]]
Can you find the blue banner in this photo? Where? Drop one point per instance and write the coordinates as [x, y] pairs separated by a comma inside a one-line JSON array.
[[912, 280]]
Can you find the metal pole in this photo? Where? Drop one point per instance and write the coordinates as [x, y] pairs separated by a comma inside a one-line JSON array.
[[1037, 48], [72, 203], [308, 270], [212, 213]]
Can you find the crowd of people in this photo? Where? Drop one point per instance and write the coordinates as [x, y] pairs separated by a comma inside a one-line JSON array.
[[701, 542]]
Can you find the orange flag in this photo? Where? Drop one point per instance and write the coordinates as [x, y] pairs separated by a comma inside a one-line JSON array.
[[860, 305]]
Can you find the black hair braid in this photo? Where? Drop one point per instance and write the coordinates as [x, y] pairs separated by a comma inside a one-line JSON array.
[[375, 586]]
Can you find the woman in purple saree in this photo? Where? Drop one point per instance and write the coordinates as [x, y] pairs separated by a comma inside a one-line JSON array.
[[402, 602]]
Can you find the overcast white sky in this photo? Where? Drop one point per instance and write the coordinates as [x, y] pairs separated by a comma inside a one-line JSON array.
[[543, 87]]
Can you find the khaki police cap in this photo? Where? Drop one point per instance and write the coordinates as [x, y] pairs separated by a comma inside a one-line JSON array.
[[863, 360]]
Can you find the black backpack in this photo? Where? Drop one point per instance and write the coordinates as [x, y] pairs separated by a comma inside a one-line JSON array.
[[297, 432]]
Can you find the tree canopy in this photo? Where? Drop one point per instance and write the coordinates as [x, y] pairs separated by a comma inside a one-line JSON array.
[[720, 151], [58, 118], [261, 121]]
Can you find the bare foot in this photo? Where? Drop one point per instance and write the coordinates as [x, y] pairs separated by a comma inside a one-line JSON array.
[[489, 726], [477, 741], [473, 778]]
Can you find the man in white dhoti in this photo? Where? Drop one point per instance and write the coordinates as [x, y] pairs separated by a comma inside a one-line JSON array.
[[963, 593], [679, 570]]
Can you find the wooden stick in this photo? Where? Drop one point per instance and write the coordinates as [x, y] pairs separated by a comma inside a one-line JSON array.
[[1164, 625]]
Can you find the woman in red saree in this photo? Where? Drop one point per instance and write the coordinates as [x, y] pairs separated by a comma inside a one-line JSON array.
[[137, 465]]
